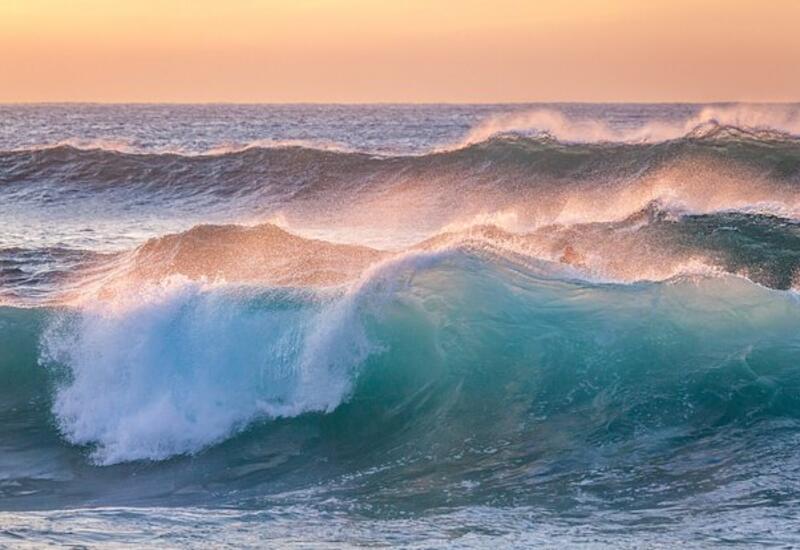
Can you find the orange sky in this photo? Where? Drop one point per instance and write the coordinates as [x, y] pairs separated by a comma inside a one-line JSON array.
[[399, 51]]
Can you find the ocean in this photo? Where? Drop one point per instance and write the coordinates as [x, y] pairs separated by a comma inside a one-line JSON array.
[[415, 326]]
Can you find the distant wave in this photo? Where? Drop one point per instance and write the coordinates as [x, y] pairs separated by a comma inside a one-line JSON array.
[[757, 122], [713, 168], [653, 244], [130, 147], [775, 122]]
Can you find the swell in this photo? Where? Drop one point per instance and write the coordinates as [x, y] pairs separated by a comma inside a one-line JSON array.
[[656, 243], [396, 200], [108, 167]]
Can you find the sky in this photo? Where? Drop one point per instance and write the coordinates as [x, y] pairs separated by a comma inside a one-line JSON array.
[[357, 51]]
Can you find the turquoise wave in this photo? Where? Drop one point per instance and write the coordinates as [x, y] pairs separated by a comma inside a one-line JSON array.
[[441, 379]]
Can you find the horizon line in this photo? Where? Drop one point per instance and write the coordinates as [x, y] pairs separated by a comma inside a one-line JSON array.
[[401, 103]]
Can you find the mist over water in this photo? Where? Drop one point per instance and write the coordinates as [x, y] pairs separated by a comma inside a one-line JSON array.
[[405, 325]]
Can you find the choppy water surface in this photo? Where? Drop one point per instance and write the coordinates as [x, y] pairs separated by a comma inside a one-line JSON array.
[[400, 325]]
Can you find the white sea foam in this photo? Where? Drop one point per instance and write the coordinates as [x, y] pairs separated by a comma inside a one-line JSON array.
[[183, 365]]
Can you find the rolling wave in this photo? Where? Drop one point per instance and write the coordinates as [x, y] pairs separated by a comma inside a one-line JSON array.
[[512, 144], [709, 168], [457, 372], [654, 244]]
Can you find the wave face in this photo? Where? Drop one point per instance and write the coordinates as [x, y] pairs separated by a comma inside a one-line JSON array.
[[535, 325]]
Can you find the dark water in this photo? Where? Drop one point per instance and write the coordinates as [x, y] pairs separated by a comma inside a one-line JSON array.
[[410, 326]]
